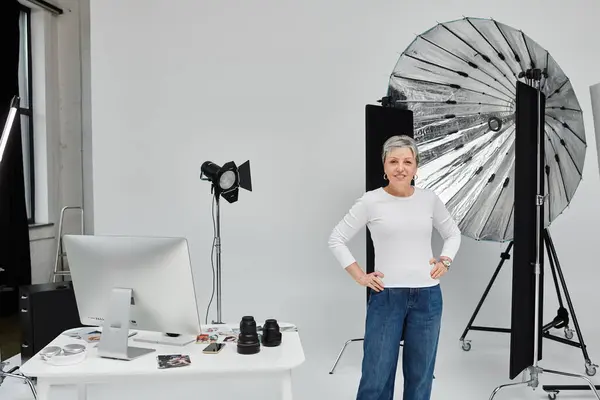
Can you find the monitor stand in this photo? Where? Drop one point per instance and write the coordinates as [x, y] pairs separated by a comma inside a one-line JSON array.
[[164, 339], [114, 341]]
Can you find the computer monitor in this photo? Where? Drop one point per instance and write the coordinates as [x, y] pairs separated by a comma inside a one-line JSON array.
[[132, 282]]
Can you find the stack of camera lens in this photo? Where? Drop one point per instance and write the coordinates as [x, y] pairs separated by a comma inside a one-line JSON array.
[[248, 341], [248, 338]]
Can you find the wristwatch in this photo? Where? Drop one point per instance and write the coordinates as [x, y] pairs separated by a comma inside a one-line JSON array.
[[446, 263]]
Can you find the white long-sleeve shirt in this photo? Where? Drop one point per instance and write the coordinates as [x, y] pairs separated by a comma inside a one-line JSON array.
[[401, 229]]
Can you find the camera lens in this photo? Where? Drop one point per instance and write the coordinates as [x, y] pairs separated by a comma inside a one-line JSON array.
[[271, 336], [248, 342]]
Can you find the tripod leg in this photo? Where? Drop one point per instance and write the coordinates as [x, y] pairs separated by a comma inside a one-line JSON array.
[[530, 382], [553, 270], [342, 352], [590, 368], [562, 317], [504, 256]]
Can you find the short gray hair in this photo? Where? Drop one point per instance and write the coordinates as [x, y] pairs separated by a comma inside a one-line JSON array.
[[400, 141]]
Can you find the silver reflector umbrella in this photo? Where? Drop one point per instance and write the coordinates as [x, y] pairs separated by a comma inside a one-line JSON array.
[[459, 79]]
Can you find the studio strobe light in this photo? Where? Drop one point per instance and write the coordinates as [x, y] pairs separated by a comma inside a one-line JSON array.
[[225, 182], [227, 179]]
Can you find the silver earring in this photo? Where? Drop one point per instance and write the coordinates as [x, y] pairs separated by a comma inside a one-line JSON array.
[[415, 177], [384, 176]]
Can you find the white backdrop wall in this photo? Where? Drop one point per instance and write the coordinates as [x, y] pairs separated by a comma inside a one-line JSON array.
[[284, 84]]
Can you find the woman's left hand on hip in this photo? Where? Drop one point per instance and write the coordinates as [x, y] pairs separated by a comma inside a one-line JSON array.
[[438, 270]]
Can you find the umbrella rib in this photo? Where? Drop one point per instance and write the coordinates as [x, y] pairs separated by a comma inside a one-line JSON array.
[[563, 108], [465, 42], [484, 38], [476, 151], [452, 145], [506, 180], [491, 87], [500, 83], [531, 63], [545, 69], [512, 211], [470, 63], [437, 180], [484, 57], [453, 102], [452, 85], [501, 56], [498, 53], [447, 51], [437, 65], [566, 149], [451, 116], [470, 207], [517, 58], [558, 89], [426, 81], [562, 178], [461, 73], [489, 217], [564, 124]]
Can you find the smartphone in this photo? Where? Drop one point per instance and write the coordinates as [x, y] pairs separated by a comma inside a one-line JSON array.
[[213, 348]]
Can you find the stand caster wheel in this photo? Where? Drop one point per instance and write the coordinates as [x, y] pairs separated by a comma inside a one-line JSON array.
[[590, 369], [569, 333], [466, 345], [552, 396]]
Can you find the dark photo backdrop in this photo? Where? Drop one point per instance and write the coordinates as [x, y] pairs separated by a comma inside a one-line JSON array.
[[15, 262], [528, 233], [381, 123]]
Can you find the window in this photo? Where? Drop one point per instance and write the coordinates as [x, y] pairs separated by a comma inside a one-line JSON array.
[[25, 93]]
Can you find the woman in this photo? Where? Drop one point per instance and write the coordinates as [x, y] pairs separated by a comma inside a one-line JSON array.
[[406, 299]]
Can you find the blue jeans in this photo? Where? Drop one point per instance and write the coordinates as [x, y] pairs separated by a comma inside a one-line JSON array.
[[395, 314]]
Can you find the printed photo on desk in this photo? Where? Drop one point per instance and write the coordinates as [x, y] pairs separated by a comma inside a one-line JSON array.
[[166, 361]]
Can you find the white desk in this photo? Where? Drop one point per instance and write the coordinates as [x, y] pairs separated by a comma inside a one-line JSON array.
[[101, 378]]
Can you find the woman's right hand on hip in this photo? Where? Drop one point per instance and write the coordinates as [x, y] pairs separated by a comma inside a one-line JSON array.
[[372, 280]]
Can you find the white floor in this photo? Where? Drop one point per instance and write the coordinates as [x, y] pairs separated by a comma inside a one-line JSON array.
[[459, 374]]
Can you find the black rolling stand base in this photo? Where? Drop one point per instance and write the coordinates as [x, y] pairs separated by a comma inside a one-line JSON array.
[[562, 319], [553, 390]]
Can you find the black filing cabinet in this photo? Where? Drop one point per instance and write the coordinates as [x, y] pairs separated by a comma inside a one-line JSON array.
[[45, 311]]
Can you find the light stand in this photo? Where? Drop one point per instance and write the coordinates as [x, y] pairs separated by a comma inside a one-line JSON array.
[[225, 182], [533, 79], [553, 390]]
